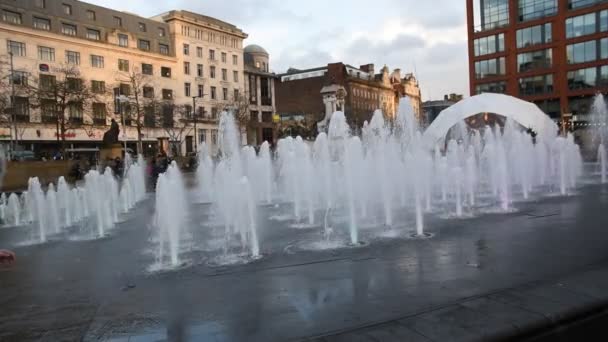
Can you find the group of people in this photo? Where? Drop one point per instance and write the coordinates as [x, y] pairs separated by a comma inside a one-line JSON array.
[[156, 166]]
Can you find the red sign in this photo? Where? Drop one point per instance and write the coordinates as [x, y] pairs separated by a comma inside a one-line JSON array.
[[67, 135]]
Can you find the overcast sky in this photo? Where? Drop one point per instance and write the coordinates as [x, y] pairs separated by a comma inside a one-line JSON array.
[[425, 36]]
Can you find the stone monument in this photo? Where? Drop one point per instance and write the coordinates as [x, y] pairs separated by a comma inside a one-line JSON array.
[[111, 147]]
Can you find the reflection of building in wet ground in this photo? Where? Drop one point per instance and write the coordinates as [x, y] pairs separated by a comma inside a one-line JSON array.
[[305, 97]]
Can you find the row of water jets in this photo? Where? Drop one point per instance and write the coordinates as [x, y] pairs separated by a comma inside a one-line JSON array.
[[94, 205], [368, 179]]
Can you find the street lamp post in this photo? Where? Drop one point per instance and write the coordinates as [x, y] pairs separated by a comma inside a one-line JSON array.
[[194, 118], [14, 109], [123, 99]]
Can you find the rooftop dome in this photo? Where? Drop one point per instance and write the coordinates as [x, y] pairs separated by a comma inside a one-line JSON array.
[[255, 49]]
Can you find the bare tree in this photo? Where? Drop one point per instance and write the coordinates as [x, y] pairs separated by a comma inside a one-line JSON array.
[[238, 105], [140, 94], [173, 119], [13, 109], [63, 99]]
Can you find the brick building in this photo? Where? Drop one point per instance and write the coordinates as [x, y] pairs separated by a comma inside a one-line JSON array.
[[309, 95], [550, 52]]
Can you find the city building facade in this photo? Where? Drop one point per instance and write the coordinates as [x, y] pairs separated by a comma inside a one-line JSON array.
[[209, 75], [260, 97], [312, 95], [123, 64], [431, 109], [553, 53]]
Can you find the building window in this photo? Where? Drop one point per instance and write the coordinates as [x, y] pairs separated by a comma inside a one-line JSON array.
[[186, 49], [235, 76], [168, 116], [123, 40], [199, 52], [68, 29], [494, 14], [550, 107], [75, 112], [582, 78], [603, 48], [143, 44], [581, 25], [97, 61], [147, 69], [22, 109], [16, 48], [603, 79], [161, 32], [149, 116], [201, 90], [236, 94], [117, 21], [165, 72], [73, 84], [40, 3], [224, 57], [187, 68], [47, 82], [67, 9], [494, 87], [212, 55], [72, 57], [214, 131], [582, 52], [163, 49], [203, 136], [167, 94], [533, 9], [199, 70], [253, 89], [490, 68], [489, 45], [98, 87], [539, 34], [187, 89], [536, 85], [91, 15], [123, 65], [148, 92], [42, 23], [604, 21], [11, 17], [225, 94], [214, 116], [574, 4], [224, 75], [46, 53], [212, 71], [99, 114], [265, 91], [235, 59], [535, 60], [142, 27], [93, 34], [19, 78], [213, 93]]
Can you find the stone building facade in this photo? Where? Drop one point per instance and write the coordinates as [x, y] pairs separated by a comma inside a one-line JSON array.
[[311, 95], [107, 47], [260, 91]]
